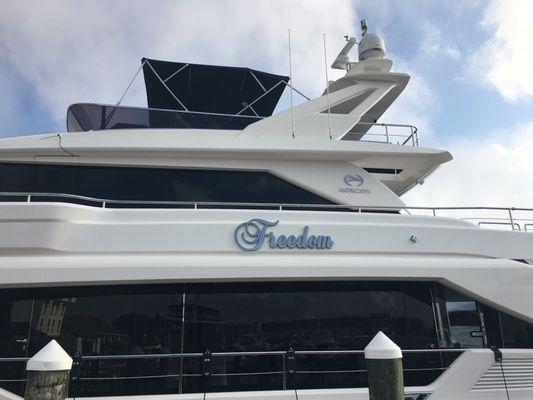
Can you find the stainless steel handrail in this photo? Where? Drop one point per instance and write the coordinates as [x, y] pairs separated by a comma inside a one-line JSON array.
[[193, 204], [411, 137], [238, 354], [78, 375], [181, 355], [510, 224], [30, 197]]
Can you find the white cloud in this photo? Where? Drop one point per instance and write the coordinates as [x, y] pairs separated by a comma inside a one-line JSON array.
[[505, 60], [434, 43], [493, 171], [87, 51], [9, 96], [416, 104]]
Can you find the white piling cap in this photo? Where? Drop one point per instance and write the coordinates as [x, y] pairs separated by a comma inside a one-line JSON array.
[[51, 357], [382, 348]]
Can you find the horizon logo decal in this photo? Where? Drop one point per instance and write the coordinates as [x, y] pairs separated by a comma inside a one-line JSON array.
[[252, 234], [351, 181], [348, 179]]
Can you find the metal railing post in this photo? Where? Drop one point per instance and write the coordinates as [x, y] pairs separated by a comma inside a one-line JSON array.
[[386, 132], [75, 374], [284, 364], [291, 366], [511, 217], [206, 370]]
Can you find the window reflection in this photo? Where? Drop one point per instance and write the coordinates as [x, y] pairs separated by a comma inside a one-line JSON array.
[[305, 316], [153, 184], [109, 324], [114, 320], [516, 333], [465, 325], [223, 317]]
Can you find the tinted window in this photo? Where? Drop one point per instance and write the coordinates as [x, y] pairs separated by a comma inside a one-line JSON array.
[[17, 177], [313, 316], [222, 317], [15, 318], [467, 323], [120, 183], [113, 320], [516, 333]]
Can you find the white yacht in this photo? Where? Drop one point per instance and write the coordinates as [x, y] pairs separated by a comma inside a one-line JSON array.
[[142, 238]]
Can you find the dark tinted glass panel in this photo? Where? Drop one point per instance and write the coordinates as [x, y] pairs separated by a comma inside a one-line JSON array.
[[17, 177], [147, 320], [516, 333], [355, 313], [126, 377], [113, 320], [491, 319], [312, 316], [120, 183], [248, 318], [86, 117], [15, 317], [118, 320], [383, 170], [464, 321]]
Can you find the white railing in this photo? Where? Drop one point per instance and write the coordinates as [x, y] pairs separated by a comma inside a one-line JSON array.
[[390, 133], [511, 218]]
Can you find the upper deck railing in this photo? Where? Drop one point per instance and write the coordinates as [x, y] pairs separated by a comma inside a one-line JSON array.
[[402, 134], [509, 218], [84, 117]]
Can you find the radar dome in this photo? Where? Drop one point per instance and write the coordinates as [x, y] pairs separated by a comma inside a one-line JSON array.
[[371, 46]]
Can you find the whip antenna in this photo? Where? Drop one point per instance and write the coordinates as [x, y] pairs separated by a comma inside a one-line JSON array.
[[327, 85], [291, 85]]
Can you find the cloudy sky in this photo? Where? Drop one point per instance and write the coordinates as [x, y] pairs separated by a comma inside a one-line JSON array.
[[471, 64]]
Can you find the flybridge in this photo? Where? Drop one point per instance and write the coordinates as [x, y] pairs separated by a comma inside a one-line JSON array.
[[185, 95], [195, 96]]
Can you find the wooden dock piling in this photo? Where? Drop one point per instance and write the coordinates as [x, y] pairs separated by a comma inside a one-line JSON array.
[[48, 374], [385, 369]]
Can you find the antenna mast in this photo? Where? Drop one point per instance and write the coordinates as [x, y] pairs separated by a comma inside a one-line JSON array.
[[290, 76], [327, 85]]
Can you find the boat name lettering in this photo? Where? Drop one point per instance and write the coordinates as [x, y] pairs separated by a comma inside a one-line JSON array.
[[252, 234]]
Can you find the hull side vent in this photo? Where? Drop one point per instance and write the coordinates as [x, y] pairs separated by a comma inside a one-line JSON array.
[[518, 375]]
